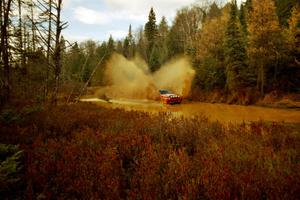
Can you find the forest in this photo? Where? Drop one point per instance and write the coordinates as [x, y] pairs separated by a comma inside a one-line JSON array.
[[54, 147], [236, 50]]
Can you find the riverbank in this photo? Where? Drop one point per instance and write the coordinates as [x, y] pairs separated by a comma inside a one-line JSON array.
[[274, 99]]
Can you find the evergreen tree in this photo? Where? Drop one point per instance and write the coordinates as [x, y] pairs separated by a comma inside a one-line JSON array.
[[214, 11], [110, 45], [91, 59], [131, 43], [163, 28], [126, 47], [74, 62], [98, 78], [130, 37], [154, 58], [242, 18], [235, 52], [151, 32]]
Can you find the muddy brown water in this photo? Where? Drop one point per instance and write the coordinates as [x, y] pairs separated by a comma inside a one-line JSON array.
[[221, 112]]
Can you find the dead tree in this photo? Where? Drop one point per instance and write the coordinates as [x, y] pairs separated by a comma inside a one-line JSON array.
[[5, 10], [33, 25], [20, 35], [59, 26], [48, 47], [49, 36], [1, 22]]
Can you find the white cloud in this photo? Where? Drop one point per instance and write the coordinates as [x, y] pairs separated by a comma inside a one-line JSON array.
[[116, 34], [141, 7], [89, 16]]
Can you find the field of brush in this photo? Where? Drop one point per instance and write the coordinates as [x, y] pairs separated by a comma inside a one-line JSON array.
[[84, 151]]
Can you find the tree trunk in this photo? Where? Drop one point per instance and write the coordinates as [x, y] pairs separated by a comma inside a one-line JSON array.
[[20, 35], [33, 28], [48, 49], [1, 23], [5, 49], [57, 53]]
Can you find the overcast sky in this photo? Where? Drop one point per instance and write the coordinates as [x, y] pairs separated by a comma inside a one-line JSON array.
[[97, 19]]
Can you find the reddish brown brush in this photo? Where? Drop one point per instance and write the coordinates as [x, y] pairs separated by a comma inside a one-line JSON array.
[[86, 152]]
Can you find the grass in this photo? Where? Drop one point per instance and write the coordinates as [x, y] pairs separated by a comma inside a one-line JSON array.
[[82, 151]]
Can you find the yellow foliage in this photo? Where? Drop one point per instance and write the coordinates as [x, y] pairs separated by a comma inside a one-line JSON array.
[[263, 26], [212, 36], [292, 34], [264, 38]]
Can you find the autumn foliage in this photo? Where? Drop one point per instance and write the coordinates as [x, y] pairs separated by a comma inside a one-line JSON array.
[[88, 152]]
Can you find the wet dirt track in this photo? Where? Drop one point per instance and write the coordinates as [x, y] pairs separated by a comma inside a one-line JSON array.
[[220, 112]]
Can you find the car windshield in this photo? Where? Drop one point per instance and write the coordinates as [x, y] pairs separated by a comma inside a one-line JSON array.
[[164, 92]]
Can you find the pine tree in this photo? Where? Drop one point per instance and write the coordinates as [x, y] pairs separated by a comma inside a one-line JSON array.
[[110, 45], [235, 52], [154, 58], [264, 39], [126, 47], [131, 43], [214, 11], [129, 36], [151, 32], [74, 61], [242, 18]]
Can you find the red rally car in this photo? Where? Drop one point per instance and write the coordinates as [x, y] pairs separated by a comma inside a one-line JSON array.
[[169, 98]]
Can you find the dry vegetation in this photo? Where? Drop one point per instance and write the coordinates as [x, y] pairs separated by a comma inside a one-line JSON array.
[[85, 152]]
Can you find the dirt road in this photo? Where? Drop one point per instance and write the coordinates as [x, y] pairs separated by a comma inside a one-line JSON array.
[[220, 112]]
